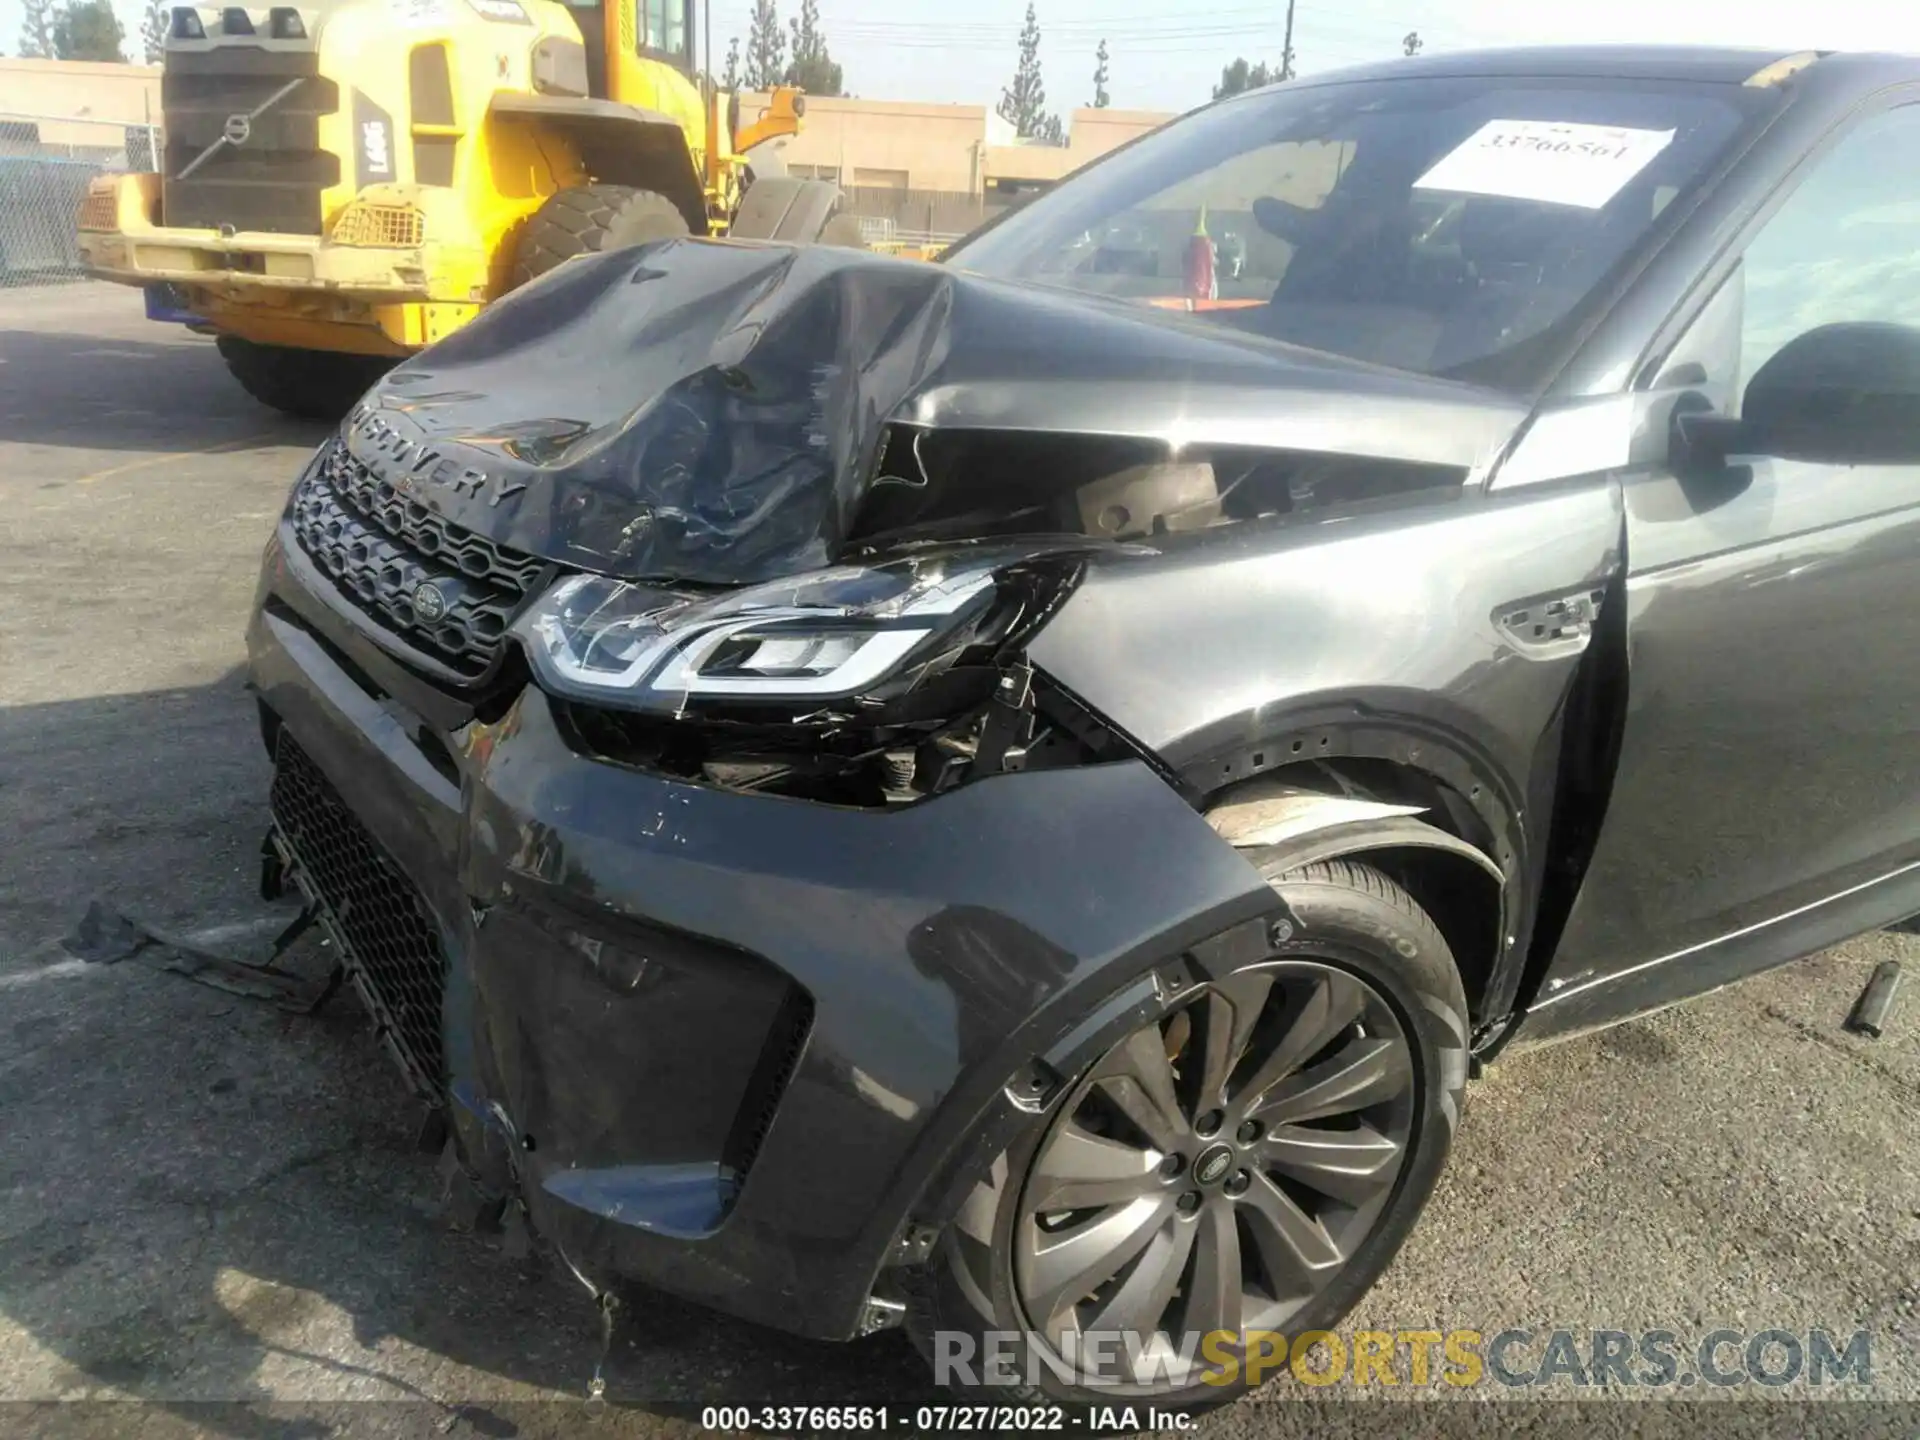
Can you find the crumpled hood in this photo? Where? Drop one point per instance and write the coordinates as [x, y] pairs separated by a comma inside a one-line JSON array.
[[712, 412]]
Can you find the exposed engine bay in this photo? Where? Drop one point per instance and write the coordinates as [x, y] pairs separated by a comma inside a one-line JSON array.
[[934, 484], [761, 464], [722, 414]]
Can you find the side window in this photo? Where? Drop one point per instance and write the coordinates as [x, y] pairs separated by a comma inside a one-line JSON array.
[[666, 29], [1844, 247]]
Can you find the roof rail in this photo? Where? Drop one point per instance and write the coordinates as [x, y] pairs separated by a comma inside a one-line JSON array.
[[1784, 69]]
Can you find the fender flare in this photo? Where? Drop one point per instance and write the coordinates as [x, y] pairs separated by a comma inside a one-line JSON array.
[[1314, 827], [618, 144]]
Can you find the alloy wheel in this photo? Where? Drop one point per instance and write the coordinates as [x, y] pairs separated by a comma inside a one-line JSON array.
[[1215, 1170]]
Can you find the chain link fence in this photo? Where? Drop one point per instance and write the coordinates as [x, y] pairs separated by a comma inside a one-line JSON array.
[[898, 219], [45, 164]]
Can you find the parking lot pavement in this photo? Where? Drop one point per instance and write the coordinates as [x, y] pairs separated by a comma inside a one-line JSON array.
[[203, 1200]]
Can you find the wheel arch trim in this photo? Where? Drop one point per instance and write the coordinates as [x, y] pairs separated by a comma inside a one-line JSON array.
[[1312, 827], [617, 144], [1317, 827]]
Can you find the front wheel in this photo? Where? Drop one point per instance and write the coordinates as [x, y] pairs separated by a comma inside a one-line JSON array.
[[591, 219], [1248, 1162], [309, 384]]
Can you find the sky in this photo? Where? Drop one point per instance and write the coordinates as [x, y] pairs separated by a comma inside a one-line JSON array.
[[1167, 56]]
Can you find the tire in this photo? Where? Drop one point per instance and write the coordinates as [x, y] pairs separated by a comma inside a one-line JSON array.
[[590, 219], [310, 384], [1365, 971]]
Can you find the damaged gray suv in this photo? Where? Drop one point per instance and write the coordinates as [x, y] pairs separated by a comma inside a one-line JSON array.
[[1011, 796]]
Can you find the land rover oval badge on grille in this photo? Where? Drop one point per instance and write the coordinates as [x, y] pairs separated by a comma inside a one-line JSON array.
[[429, 605]]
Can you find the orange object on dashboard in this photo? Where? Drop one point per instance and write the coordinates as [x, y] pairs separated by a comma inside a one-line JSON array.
[[1174, 302], [1202, 282]]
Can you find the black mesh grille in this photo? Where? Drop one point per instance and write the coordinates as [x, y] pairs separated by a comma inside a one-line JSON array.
[[786, 1042], [391, 944], [380, 547]]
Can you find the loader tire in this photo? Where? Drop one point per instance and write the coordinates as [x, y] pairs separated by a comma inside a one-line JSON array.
[[589, 219], [310, 384]]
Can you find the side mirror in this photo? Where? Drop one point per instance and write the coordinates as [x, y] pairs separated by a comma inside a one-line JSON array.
[[1700, 441], [1844, 394]]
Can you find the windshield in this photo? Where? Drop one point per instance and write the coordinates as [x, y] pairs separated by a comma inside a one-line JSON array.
[[1451, 226]]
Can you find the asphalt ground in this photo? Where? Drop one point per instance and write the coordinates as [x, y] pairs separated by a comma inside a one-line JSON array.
[[217, 1209]]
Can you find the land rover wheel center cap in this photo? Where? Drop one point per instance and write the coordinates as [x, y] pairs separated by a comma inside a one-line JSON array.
[[1213, 1164]]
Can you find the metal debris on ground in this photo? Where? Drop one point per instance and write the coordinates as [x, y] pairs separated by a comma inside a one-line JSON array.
[[1869, 1015], [609, 1313], [105, 936]]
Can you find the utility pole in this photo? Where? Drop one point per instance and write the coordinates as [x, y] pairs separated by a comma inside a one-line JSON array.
[[1286, 50]]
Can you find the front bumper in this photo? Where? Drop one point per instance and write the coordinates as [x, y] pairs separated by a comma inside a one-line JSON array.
[[261, 261], [399, 261], [724, 1044]]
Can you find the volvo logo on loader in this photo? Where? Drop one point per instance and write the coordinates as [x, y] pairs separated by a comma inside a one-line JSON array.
[[238, 129]]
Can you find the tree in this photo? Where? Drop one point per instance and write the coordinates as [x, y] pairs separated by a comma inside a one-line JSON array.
[[1024, 103], [1241, 76], [36, 29], [153, 30], [88, 30], [766, 47], [1100, 97], [731, 80], [1412, 44], [812, 68]]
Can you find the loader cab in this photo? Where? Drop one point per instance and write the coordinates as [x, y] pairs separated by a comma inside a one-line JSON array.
[[665, 33], [628, 41]]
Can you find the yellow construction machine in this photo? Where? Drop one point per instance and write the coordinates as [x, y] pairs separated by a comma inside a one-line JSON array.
[[346, 181]]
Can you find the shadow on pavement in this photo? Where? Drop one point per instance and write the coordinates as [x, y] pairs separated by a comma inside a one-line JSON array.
[[168, 391], [203, 1199]]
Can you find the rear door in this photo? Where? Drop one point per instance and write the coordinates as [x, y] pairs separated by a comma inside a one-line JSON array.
[[1767, 800]]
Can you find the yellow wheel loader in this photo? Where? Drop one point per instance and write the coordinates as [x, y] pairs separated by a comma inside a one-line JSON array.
[[346, 181]]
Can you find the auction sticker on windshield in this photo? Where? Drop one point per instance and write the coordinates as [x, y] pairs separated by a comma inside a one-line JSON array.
[[1558, 164]]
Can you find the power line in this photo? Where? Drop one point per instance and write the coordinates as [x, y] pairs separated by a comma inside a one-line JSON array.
[[1109, 28], [1101, 27], [1274, 33], [1322, 43], [1110, 19], [1202, 39], [1308, 48], [1317, 56], [1106, 31]]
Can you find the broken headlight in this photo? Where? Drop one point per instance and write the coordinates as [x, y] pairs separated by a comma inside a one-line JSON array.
[[829, 635]]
